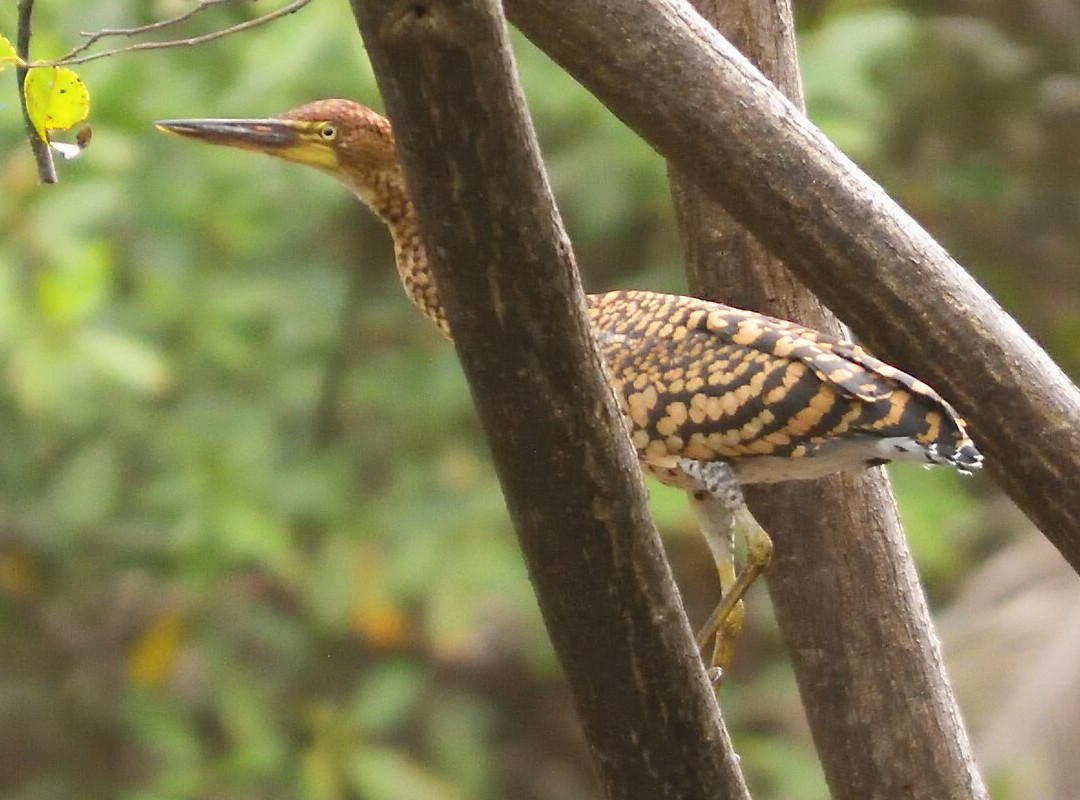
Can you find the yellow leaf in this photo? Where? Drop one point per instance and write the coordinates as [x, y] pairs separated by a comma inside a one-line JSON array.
[[374, 614], [153, 656], [18, 574], [55, 99], [383, 625], [8, 55]]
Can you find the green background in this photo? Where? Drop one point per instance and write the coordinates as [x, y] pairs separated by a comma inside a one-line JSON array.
[[251, 545]]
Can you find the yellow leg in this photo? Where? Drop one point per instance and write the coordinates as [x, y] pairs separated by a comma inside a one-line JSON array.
[[721, 511], [726, 621]]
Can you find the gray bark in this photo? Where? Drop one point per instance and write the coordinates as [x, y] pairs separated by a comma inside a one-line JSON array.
[[570, 477], [851, 624], [672, 78]]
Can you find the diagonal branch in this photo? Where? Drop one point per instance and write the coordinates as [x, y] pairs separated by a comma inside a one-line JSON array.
[[837, 230], [575, 494], [848, 635]]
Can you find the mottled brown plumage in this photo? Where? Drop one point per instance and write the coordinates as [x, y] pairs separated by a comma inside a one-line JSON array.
[[708, 382], [713, 396]]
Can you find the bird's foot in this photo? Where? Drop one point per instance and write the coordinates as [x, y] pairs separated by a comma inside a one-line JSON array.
[[726, 621]]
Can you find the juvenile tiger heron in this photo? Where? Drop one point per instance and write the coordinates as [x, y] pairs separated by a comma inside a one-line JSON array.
[[714, 397]]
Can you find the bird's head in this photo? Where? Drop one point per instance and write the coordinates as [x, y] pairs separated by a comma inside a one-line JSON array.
[[340, 137]]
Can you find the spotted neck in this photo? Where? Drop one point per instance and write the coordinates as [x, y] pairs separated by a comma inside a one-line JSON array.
[[387, 197]]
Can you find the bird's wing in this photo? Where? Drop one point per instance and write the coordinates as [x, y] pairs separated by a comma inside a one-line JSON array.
[[706, 381]]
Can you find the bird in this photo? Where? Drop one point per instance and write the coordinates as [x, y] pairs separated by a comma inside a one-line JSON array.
[[714, 397]]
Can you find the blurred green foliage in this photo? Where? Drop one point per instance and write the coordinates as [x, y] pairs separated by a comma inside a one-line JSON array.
[[250, 542]]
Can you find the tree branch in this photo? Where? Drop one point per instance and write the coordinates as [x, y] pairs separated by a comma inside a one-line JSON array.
[[688, 92], [138, 30], [67, 60], [848, 635], [42, 154], [573, 488]]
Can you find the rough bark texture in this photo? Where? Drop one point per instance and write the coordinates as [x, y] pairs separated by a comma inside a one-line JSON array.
[[869, 669], [670, 76], [575, 495]]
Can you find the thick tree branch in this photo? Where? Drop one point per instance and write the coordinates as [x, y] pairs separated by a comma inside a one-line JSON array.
[[688, 92], [571, 480], [848, 635]]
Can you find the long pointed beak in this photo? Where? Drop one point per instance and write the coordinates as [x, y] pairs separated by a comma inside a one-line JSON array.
[[263, 135], [286, 139]]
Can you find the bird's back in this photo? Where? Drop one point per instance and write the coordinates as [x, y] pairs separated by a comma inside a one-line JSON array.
[[709, 382]]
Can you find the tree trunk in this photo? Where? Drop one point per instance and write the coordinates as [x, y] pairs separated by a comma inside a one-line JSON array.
[[572, 485], [672, 78], [849, 636]]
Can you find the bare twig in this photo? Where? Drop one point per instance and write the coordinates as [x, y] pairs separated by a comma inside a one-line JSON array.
[[40, 148], [292, 8], [138, 30]]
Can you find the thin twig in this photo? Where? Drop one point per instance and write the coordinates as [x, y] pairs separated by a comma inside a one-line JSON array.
[[93, 38], [40, 148], [195, 40]]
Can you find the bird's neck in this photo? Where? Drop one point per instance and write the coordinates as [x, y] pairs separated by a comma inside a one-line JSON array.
[[414, 269], [389, 199]]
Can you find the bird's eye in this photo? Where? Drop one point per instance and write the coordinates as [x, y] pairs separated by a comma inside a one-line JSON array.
[[328, 132]]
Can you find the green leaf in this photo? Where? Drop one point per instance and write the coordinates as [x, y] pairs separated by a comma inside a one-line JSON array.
[[56, 99], [125, 360], [838, 61], [386, 696], [383, 774], [86, 488], [77, 288], [251, 535]]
